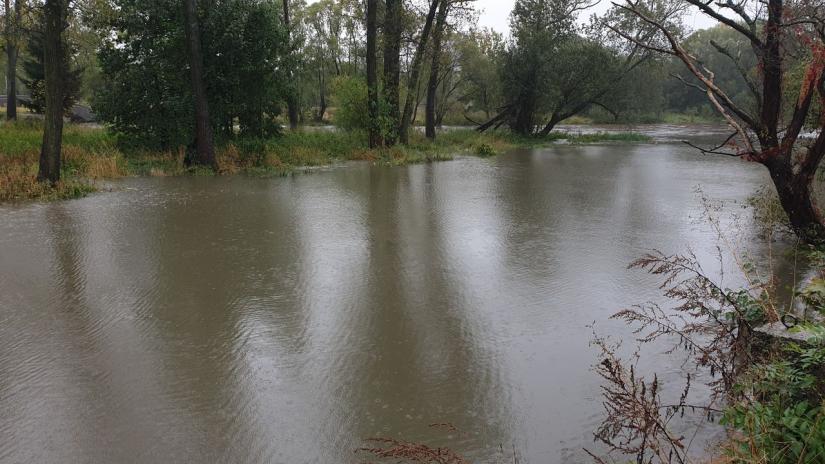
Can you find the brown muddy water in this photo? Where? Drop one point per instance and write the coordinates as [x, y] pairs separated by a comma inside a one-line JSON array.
[[284, 320]]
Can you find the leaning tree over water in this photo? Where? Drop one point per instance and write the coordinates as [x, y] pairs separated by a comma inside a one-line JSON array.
[[783, 36]]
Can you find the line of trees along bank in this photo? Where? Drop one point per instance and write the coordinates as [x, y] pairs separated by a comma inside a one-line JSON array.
[[192, 73]]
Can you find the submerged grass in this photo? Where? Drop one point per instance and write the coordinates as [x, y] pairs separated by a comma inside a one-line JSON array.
[[91, 153], [604, 137]]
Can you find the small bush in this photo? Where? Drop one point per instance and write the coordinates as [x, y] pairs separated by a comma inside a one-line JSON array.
[[485, 150], [351, 104]]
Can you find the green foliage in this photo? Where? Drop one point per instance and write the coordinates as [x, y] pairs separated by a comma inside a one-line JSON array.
[[485, 150], [814, 294], [351, 103], [549, 72], [35, 73], [147, 95], [782, 411], [683, 99], [478, 52], [598, 137], [779, 434]]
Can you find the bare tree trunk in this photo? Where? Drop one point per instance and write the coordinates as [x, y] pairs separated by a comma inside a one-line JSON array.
[[55, 15], [291, 99], [322, 104], [416, 106], [496, 121], [12, 34], [204, 142], [432, 86], [375, 139], [407, 116], [392, 66]]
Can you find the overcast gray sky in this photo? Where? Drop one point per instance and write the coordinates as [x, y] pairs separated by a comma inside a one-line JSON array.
[[497, 15]]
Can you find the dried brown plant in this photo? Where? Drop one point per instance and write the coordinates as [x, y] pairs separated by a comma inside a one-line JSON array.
[[409, 452]]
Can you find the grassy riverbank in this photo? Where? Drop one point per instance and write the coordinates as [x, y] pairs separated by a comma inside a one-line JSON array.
[[91, 153]]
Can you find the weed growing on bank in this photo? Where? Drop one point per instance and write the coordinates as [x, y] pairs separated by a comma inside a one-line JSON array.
[[765, 363]]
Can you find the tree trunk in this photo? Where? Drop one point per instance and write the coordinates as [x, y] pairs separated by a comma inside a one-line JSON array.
[[432, 85], [392, 67], [204, 143], [416, 106], [55, 16], [410, 103], [11, 79], [555, 118], [291, 100], [372, 75], [12, 38], [795, 192], [322, 104], [496, 121]]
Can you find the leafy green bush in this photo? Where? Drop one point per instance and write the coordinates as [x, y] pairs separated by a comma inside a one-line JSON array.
[[351, 102], [485, 150]]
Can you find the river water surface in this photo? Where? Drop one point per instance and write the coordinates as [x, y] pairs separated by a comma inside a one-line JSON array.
[[284, 320]]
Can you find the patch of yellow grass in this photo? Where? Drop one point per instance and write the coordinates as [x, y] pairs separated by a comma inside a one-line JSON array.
[[108, 167], [18, 181], [307, 156], [229, 159], [272, 160]]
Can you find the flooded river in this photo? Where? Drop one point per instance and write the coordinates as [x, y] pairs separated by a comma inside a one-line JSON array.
[[284, 320]]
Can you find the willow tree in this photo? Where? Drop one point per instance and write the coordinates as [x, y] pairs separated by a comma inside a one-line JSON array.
[[769, 133], [548, 71]]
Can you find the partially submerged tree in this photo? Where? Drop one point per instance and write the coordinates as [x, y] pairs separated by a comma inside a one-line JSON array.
[[440, 35], [432, 83], [374, 123], [55, 15], [204, 154], [411, 101], [392, 67], [12, 34], [769, 133]]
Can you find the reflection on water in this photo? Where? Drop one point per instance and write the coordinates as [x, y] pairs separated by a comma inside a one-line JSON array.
[[249, 320]]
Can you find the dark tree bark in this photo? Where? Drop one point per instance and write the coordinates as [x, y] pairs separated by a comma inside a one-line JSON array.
[[204, 138], [322, 104], [375, 139], [12, 33], [392, 67], [291, 99], [497, 120], [411, 101], [435, 68], [55, 20]]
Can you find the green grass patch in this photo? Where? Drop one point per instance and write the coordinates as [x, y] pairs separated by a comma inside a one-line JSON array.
[[607, 137]]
